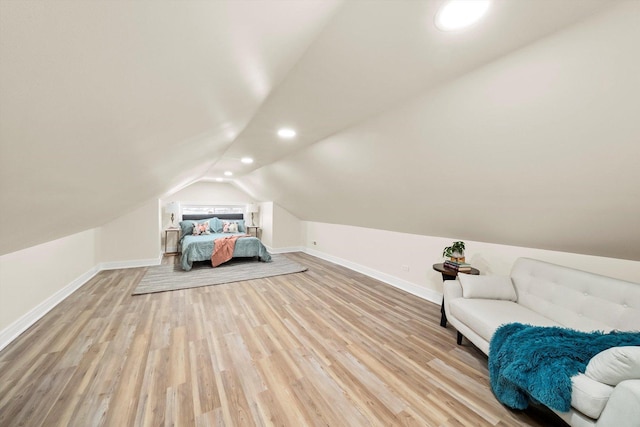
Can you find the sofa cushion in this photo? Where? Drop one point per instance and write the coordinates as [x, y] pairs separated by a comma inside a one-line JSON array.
[[589, 396], [484, 316], [487, 287], [615, 365]]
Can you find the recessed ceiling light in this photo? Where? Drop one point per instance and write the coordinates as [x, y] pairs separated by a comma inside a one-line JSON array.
[[286, 133], [219, 179], [246, 160], [458, 14], [228, 173]]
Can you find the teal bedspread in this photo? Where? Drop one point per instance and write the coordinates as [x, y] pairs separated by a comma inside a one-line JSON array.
[[200, 248]]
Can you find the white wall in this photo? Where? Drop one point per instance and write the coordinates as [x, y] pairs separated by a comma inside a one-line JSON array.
[[33, 280], [287, 229], [134, 237], [266, 223], [383, 254], [281, 231]]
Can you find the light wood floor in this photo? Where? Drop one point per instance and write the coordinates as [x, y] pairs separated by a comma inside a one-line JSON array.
[[328, 347]]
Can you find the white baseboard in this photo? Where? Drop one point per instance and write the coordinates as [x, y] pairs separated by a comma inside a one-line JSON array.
[[23, 323], [412, 288], [284, 250], [113, 265]]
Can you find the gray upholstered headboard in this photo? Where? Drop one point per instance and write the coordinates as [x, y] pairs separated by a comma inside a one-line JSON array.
[[207, 216]]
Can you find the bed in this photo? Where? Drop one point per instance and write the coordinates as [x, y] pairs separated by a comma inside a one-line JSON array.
[[200, 247]]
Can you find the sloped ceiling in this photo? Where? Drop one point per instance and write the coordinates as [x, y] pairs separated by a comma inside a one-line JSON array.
[[107, 104]]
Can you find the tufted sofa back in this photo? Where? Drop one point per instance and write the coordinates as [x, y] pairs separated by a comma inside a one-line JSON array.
[[577, 299]]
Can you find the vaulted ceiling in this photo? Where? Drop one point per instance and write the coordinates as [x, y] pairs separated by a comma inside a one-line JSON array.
[[105, 105]]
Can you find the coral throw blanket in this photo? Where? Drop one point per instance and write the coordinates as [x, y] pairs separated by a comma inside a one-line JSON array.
[[223, 249]]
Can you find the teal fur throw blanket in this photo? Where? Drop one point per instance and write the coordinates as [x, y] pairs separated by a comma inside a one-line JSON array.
[[534, 362]]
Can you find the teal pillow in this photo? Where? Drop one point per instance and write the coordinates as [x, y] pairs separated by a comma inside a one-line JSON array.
[[215, 224], [186, 227]]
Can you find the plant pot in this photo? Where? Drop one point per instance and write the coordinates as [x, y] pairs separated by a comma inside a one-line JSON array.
[[457, 257]]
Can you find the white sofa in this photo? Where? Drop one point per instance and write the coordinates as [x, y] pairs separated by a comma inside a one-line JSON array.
[[552, 295]]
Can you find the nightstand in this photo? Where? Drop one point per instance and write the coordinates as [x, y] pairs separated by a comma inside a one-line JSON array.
[[168, 231], [255, 229]]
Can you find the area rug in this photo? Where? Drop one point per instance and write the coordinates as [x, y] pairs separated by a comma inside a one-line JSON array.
[[171, 277]]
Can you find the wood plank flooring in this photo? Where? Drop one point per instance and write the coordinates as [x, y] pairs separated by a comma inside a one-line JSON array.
[[328, 347]]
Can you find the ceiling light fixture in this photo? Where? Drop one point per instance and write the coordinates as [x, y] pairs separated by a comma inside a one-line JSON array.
[[458, 14], [228, 173], [246, 160], [286, 133], [219, 179]]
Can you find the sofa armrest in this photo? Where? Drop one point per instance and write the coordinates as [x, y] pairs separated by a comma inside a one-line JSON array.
[[451, 290], [623, 407]]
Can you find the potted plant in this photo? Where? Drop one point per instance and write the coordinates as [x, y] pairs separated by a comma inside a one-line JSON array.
[[455, 252]]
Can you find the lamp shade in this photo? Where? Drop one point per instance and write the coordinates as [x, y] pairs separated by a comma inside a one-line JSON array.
[[173, 208], [252, 209]]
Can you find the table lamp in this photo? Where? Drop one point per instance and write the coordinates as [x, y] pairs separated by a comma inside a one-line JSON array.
[[173, 208], [252, 209]]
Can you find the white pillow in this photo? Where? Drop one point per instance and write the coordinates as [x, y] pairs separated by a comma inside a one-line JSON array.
[[615, 365], [201, 228], [487, 287]]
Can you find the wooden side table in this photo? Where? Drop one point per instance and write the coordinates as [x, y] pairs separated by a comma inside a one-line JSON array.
[[166, 238], [449, 274]]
